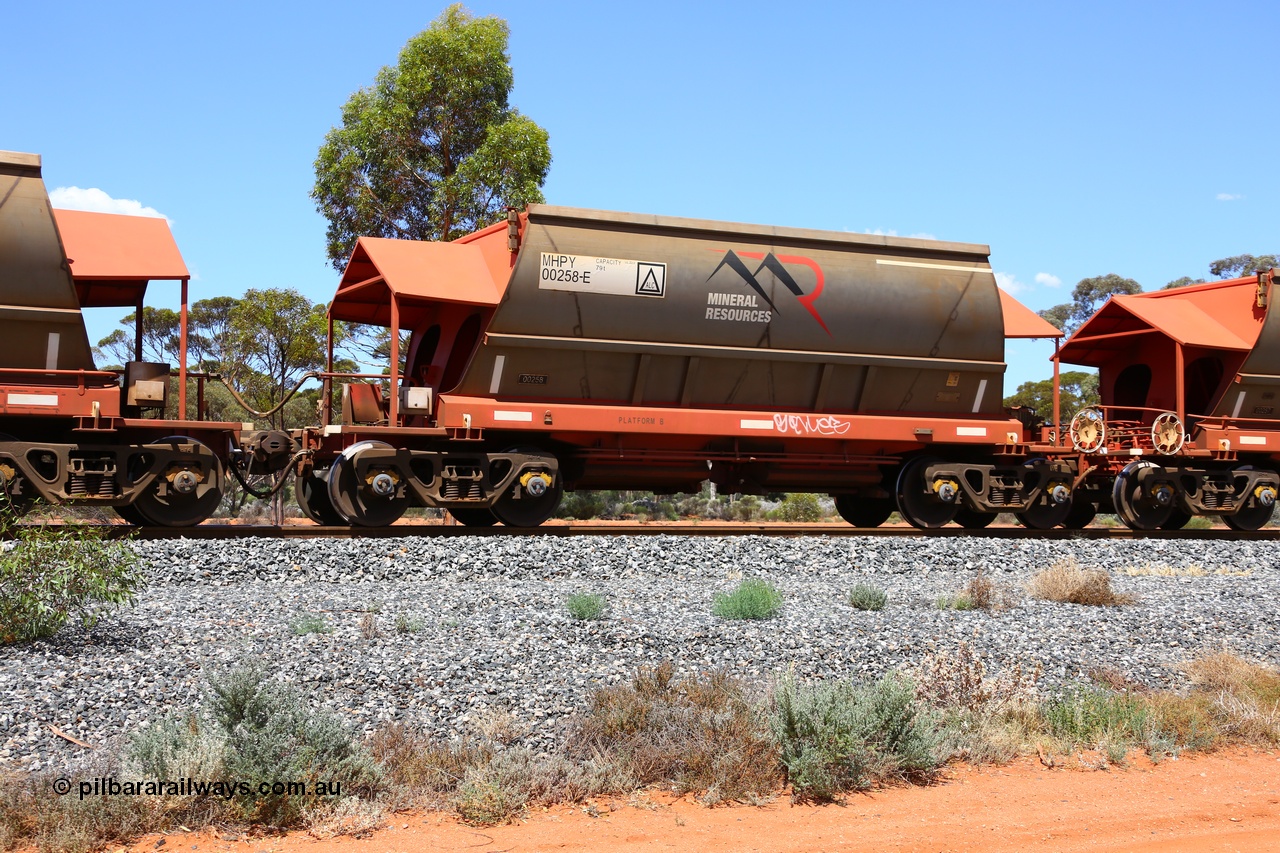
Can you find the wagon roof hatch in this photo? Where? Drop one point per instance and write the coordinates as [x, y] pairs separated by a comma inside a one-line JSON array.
[[416, 273], [113, 257], [1219, 316]]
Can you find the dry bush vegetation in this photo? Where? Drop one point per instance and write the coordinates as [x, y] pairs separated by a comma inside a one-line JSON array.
[[707, 734], [1067, 582]]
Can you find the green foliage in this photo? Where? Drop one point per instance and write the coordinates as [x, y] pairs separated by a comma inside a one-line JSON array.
[[161, 337], [272, 735], [839, 736], [1239, 266], [433, 149], [1185, 281], [752, 599], [866, 597], [586, 606], [1087, 297], [309, 623], [799, 506], [275, 336], [1078, 390], [55, 575]]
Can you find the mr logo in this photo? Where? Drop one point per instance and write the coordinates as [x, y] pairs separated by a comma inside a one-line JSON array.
[[775, 264]]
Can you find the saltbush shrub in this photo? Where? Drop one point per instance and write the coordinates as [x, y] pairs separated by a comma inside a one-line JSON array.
[[839, 736], [867, 597]]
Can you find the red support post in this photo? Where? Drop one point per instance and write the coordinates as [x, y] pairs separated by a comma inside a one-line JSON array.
[[1057, 393], [328, 380], [1180, 383], [394, 418], [182, 354]]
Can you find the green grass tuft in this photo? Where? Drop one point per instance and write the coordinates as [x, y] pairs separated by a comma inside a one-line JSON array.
[[586, 606], [752, 599]]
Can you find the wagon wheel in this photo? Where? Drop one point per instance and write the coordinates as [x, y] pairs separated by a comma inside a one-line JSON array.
[[917, 501], [1088, 430], [1046, 513], [192, 493], [971, 519], [1168, 435], [378, 502], [1251, 516], [1082, 512], [528, 505], [1137, 510], [864, 512], [312, 493], [1177, 520], [474, 517]]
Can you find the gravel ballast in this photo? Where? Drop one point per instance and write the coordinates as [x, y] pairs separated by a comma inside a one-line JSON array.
[[489, 631]]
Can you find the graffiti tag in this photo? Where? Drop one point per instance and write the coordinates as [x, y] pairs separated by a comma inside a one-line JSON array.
[[809, 425]]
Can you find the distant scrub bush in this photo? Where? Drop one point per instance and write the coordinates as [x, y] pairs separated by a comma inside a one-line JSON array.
[[798, 506]]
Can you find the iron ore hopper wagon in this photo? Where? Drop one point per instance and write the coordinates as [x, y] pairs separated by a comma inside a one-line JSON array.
[[568, 349]]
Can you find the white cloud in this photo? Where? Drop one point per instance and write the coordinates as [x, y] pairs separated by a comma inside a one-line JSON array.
[[1009, 283], [1048, 279], [94, 199], [882, 232], [1229, 196]]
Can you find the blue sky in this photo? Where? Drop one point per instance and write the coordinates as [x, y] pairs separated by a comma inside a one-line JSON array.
[[1074, 139]]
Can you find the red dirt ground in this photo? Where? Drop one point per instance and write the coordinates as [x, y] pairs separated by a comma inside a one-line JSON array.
[[1228, 801]]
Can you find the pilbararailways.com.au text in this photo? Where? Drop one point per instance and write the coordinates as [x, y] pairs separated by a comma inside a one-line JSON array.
[[110, 786]]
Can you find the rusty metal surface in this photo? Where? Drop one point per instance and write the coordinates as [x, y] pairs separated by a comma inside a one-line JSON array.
[[722, 314], [40, 318]]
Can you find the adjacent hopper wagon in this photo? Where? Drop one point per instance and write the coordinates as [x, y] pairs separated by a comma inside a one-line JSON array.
[[68, 431], [1189, 424]]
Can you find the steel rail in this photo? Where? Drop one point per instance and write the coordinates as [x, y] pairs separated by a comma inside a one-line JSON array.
[[312, 531]]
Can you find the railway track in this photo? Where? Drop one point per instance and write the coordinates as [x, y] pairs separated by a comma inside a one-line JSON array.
[[304, 531]]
